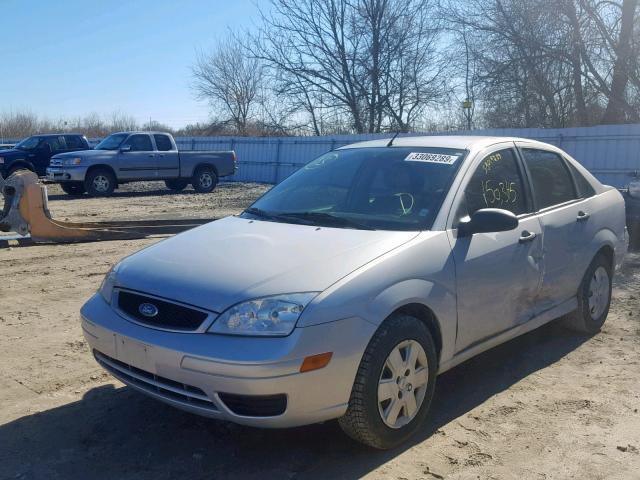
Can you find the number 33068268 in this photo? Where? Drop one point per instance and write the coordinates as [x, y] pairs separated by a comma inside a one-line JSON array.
[[499, 193]]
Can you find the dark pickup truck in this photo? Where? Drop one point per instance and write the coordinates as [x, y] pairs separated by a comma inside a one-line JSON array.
[[34, 153], [139, 156]]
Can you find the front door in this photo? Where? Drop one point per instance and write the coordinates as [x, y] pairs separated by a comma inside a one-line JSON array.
[[137, 159], [498, 274], [49, 147]]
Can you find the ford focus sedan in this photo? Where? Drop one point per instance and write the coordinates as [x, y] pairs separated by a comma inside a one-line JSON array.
[[346, 289]]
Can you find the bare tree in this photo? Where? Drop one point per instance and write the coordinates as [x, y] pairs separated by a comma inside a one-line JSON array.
[[230, 81]]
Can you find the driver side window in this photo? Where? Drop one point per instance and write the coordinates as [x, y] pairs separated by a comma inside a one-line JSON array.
[[496, 183]]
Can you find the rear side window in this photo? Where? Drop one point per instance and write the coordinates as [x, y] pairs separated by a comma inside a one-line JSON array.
[[139, 143], [552, 182], [585, 190], [496, 183], [73, 142], [56, 143], [163, 143]]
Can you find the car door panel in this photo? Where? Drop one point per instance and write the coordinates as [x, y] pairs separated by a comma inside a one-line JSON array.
[[498, 275], [140, 162], [565, 222]]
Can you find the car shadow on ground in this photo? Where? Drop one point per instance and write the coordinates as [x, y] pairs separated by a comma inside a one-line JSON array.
[[118, 433], [161, 190]]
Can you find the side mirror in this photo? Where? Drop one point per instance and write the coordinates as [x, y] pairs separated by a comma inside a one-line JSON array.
[[487, 220], [125, 148]]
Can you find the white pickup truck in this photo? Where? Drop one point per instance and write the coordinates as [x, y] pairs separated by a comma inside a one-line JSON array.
[[138, 156]]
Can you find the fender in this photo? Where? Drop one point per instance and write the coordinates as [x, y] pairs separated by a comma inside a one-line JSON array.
[[434, 296], [21, 162]]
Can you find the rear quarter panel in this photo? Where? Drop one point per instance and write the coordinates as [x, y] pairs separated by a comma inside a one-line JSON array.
[[221, 161], [608, 227]]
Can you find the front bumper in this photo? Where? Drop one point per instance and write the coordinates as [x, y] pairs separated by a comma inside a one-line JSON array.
[[66, 174], [192, 371]]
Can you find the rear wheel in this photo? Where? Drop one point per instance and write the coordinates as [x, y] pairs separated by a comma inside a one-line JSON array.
[[177, 185], [594, 298], [204, 180], [394, 385], [73, 188], [100, 182]]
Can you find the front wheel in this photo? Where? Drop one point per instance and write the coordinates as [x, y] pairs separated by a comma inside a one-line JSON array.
[[100, 182], [394, 385], [594, 298], [204, 180], [73, 188]]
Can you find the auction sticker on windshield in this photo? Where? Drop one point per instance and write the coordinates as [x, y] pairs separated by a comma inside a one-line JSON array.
[[431, 158]]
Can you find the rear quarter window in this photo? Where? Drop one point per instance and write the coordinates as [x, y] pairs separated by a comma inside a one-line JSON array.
[[163, 143]]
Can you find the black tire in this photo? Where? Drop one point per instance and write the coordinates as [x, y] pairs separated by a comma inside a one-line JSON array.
[[100, 182], [73, 188], [587, 318], [204, 180], [363, 421], [177, 185]]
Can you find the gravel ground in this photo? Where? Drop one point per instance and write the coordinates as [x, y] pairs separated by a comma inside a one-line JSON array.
[[547, 405]]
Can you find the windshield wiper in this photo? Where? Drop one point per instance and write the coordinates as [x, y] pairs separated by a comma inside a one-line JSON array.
[[258, 212], [325, 218]]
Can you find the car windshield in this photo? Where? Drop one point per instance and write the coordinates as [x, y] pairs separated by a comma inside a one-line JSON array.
[[112, 142], [384, 188], [29, 143]]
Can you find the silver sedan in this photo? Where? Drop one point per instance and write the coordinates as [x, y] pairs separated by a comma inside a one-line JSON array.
[[346, 289]]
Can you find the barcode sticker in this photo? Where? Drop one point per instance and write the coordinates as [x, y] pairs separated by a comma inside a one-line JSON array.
[[431, 158]]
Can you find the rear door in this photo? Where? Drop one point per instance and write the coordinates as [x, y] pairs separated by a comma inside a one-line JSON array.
[[168, 160], [565, 222], [498, 274], [49, 147], [139, 162], [74, 143]]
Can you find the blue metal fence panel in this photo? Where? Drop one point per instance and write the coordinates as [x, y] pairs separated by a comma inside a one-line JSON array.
[[610, 152]]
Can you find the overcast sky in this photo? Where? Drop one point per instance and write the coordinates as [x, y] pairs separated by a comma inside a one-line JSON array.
[[69, 58]]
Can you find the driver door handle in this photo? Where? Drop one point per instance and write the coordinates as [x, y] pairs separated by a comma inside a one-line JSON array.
[[527, 236], [582, 216]]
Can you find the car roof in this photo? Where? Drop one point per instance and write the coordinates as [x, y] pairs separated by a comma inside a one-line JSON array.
[[465, 142], [57, 134], [146, 132]]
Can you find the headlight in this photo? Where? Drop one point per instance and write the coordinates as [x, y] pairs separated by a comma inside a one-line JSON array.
[[268, 316], [109, 281], [72, 161]]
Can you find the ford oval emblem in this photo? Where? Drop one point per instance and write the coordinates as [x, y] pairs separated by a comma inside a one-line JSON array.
[[148, 309]]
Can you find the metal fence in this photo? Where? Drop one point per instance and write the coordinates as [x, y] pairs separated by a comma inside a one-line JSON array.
[[611, 153]]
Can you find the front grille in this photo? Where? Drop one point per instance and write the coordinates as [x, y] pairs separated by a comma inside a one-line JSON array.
[[255, 405], [169, 315], [155, 384]]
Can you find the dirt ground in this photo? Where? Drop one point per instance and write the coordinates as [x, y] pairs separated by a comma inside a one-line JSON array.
[[548, 405]]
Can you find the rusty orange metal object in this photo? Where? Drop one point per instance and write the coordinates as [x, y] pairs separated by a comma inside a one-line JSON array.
[[26, 212]]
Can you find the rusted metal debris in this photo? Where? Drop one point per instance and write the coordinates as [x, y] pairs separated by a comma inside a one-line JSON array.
[[26, 212]]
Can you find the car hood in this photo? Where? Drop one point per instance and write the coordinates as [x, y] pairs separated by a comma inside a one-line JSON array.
[[86, 153], [234, 259], [14, 153]]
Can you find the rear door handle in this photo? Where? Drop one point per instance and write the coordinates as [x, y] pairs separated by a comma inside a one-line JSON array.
[[151, 155], [527, 236], [582, 216]]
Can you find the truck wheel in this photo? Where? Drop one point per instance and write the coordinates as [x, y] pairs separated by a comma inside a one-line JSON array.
[[394, 385], [204, 180], [100, 182], [177, 185], [594, 298], [73, 188]]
